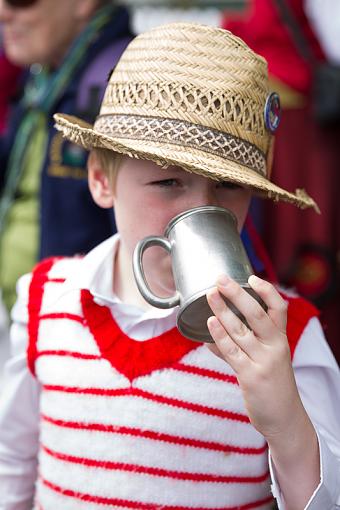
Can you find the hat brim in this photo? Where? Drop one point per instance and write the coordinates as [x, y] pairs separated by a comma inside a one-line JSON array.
[[191, 159]]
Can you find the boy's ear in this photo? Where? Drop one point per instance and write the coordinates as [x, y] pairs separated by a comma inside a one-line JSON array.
[[99, 183]]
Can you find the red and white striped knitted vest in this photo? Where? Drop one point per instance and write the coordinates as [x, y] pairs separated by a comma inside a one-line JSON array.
[[125, 424]]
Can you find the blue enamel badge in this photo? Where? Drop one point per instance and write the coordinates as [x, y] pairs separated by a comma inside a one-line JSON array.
[[272, 112]]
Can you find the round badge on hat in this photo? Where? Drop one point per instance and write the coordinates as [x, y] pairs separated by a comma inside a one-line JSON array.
[[272, 112]]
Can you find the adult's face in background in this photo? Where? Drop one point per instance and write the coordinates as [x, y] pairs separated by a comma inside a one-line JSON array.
[[42, 31]]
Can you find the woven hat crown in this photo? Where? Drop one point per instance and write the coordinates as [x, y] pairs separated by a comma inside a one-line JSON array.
[[199, 74], [193, 96]]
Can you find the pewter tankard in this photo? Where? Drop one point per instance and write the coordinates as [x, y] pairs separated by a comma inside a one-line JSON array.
[[203, 243]]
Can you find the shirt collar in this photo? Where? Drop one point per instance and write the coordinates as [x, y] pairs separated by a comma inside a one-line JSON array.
[[95, 273], [95, 270]]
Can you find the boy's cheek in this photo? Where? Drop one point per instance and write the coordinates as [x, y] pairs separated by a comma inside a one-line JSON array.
[[158, 270]]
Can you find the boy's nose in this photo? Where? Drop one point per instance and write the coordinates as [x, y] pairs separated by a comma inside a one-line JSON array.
[[205, 195]]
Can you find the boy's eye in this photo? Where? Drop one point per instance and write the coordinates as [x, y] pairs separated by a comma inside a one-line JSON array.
[[228, 185], [166, 183]]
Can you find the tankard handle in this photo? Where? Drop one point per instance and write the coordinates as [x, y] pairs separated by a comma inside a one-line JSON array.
[[143, 287]]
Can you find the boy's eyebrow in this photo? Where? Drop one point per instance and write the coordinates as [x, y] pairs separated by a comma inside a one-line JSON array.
[[176, 169], [165, 173]]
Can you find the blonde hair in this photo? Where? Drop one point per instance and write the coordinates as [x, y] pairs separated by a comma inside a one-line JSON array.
[[109, 161]]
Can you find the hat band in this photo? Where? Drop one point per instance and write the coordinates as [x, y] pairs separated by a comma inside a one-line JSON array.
[[179, 132]]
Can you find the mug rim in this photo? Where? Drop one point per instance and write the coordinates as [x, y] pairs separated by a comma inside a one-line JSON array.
[[197, 210]]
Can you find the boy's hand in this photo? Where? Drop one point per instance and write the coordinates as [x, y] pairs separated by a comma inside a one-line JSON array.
[[260, 356]]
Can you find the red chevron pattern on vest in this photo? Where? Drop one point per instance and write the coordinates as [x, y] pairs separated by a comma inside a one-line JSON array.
[[132, 424]]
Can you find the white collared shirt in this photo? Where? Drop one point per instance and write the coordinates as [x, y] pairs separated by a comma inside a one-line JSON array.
[[316, 372]]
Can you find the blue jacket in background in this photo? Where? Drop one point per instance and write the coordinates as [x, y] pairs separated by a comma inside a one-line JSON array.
[[70, 222]]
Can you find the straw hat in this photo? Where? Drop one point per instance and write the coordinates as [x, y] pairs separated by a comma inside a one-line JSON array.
[[193, 96]]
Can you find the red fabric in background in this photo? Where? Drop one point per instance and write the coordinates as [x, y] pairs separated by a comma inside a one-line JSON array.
[[261, 28], [9, 75], [306, 156]]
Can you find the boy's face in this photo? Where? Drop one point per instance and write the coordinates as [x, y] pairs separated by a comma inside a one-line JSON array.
[[146, 197]]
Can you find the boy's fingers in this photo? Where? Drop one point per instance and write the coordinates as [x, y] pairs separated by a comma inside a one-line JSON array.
[[233, 326], [263, 323], [277, 306], [229, 350], [213, 348]]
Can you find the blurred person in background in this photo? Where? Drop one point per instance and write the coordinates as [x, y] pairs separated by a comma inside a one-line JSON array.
[[9, 78], [45, 206], [296, 37], [9, 75]]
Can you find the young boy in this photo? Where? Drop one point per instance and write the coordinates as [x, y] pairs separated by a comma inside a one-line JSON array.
[[122, 412]]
